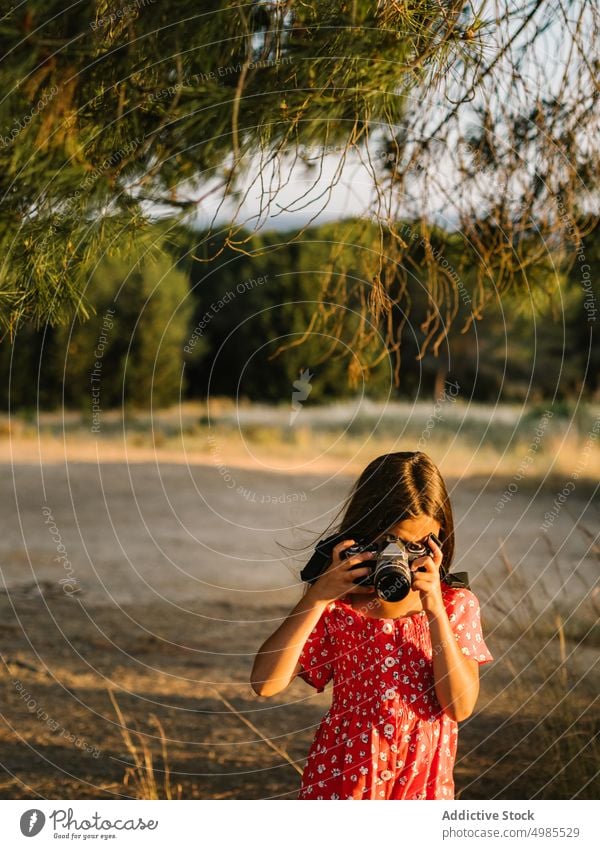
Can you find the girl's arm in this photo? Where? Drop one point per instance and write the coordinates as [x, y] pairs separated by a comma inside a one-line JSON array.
[[456, 676], [276, 663], [277, 660]]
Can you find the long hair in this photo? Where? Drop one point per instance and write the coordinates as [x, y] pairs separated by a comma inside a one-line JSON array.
[[398, 486]]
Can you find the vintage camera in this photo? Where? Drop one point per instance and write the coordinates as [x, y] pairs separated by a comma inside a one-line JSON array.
[[391, 573]]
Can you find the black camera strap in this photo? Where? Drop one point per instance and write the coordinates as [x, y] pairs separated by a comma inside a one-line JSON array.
[[456, 580], [320, 558]]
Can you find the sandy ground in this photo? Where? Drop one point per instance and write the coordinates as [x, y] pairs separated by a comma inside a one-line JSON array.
[[178, 533], [160, 580]]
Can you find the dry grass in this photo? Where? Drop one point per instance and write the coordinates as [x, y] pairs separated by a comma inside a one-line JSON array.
[[464, 440], [547, 743], [143, 778]]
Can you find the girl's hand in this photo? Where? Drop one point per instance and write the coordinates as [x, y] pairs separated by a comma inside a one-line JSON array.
[[427, 582], [338, 579]]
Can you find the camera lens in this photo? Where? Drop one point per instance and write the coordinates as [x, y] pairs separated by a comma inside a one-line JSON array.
[[392, 577], [392, 582]]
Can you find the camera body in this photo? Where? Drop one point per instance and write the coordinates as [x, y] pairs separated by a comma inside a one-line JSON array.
[[391, 572]]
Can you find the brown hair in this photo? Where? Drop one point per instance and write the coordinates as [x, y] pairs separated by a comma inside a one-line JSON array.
[[398, 486]]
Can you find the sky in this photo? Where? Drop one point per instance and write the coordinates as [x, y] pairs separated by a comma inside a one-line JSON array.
[[355, 195]]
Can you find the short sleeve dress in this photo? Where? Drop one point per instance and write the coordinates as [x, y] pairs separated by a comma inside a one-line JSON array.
[[385, 735]]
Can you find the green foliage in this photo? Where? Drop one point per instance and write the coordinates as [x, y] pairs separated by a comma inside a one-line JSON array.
[[130, 352], [515, 350], [110, 106], [252, 324], [254, 316]]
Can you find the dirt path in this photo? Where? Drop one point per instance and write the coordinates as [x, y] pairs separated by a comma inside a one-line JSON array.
[[61, 657], [125, 533], [173, 582]]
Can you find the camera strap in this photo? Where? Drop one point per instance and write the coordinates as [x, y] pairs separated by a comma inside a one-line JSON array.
[[457, 580]]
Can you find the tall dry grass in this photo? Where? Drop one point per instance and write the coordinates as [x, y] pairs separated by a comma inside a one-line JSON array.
[[543, 731], [143, 777]]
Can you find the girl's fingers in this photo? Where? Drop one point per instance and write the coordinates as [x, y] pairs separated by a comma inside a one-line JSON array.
[[356, 559], [438, 555], [342, 546], [425, 563], [426, 575], [336, 552], [358, 573]]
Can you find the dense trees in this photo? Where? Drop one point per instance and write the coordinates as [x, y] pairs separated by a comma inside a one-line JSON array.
[[177, 321], [129, 353]]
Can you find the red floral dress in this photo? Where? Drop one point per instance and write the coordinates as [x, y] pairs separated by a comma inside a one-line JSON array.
[[385, 735]]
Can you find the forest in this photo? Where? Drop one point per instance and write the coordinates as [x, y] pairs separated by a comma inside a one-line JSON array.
[[183, 325]]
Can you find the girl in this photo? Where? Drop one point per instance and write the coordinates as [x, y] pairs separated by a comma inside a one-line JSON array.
[[404, 672]]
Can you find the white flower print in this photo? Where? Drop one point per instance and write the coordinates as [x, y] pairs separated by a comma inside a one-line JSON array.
[[381, 704]]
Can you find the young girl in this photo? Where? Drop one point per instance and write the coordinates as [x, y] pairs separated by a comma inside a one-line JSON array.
[[404, 672]]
